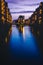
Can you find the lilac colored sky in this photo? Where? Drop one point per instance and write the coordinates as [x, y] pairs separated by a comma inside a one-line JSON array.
[[19, 6]]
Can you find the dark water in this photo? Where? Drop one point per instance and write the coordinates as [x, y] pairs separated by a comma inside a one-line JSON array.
[[24, 43], [23, 47]]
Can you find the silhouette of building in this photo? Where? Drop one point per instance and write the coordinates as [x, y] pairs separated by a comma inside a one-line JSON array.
[[37, 15], [5, 14], [21, 19], [36, 20], [5, 21]]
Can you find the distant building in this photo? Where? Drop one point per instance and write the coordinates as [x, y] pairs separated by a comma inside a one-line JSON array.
[[21, 19]]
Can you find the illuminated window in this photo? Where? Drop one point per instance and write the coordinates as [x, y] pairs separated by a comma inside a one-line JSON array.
[[23, 21], [2, 3], [3, 19], [40, 11], [35, 17], [2, 7], [6, 39], [40, 21]]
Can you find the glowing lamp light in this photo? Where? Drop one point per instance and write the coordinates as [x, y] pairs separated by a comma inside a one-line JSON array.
[[2, 4], [3, 19], [3, 12], [6, 39], [2, 7]]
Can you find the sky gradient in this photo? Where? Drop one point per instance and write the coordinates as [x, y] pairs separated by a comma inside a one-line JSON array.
[[22, 7]]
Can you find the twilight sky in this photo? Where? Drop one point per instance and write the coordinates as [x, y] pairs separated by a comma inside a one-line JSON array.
[[17, 7]]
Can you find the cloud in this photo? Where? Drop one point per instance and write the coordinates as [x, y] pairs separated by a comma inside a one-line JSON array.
[[27, 15], [35, 4], [22, 6], [22, 12]]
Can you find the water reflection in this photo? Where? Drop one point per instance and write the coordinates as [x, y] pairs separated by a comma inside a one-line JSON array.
[[21, 47], [23, 44]]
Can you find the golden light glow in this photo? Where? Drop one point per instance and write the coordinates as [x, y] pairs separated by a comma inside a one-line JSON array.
[[23, 21], [40, 21], [3, 19], [9, 33], [3, 12], [2, 0], [10, 18], [18, 20], [2, 3], [35, 17], [2, 6], [40, 11], [23, 33], [3, 9], [11, 29], [6, 40]]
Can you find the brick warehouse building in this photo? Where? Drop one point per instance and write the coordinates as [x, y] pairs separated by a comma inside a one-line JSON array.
[[36, 20], [5, 21]]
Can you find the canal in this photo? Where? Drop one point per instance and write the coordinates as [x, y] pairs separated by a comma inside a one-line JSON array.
[[23, 47]]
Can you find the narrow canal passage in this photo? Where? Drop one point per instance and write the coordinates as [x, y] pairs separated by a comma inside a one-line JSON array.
[[22, 47]]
